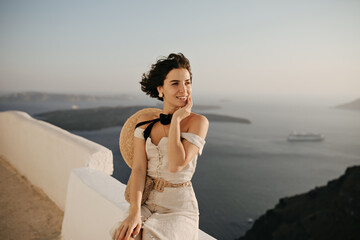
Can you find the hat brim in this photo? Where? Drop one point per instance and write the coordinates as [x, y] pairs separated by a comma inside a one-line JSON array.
[[126, 140]]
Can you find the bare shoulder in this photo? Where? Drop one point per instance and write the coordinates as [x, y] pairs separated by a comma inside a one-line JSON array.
[[195, 118], [198, 124]]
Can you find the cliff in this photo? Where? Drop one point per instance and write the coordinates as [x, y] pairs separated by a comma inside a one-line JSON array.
[[330, 212]]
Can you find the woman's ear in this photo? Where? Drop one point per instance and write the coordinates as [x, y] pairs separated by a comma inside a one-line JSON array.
[[159, 88]]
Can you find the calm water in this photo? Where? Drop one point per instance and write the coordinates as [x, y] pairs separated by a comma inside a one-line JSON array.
[[246, 169]]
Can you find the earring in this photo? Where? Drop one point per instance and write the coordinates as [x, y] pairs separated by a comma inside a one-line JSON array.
[[160, 95]]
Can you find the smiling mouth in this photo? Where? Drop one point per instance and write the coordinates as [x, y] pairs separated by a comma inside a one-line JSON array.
[[182, 98]]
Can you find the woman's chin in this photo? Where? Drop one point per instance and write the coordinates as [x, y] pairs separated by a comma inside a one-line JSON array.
[[182, 104], [179, 103]]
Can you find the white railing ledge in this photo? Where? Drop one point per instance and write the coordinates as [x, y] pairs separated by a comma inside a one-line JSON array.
[[94, 203], [46, 154]]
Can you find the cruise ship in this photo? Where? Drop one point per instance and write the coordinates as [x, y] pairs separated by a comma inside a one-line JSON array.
[[304, 136]]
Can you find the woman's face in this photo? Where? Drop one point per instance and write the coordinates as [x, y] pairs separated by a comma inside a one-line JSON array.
[[177, 87]]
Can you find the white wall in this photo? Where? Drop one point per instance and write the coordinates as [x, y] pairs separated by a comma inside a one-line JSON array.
[[95, 202], [46, 154]]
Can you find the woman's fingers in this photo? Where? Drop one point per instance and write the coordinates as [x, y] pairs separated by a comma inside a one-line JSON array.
[[189, 105], [136, 231], [184, 111], [117, 233], [130, 233], [128, 228], [191, 102], [122, 234]]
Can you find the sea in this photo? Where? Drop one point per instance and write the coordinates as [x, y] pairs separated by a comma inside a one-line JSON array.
[[246, 168]]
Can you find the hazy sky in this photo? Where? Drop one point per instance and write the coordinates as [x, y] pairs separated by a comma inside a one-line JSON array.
[[235, 47]]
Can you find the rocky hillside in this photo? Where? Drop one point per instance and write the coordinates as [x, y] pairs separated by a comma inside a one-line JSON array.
[[354, 105], [331, 212]]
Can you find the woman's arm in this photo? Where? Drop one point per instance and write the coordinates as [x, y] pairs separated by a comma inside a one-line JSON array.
[[181, 153], [138, 174], [132, 224]]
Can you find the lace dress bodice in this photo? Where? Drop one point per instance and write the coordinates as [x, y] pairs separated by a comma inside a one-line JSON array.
[[158, 162]]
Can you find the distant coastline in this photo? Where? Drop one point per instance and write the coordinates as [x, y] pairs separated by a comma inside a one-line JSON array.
[[104, 117], [98, 117], [33, 96], [354, 105]]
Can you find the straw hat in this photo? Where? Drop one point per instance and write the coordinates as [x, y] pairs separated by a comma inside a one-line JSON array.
[[126, 141]]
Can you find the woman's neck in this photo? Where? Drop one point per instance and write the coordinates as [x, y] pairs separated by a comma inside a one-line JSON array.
[[169, 109]]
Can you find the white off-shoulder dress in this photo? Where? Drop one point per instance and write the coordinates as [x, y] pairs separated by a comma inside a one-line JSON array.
[[173, 213]]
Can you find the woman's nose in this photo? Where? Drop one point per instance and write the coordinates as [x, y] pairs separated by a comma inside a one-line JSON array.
[[182, 88]]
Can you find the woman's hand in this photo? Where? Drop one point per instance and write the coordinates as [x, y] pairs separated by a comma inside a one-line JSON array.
[[185, 111], [129, 228]]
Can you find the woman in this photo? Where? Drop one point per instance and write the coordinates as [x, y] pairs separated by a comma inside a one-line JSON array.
[[168, 150]]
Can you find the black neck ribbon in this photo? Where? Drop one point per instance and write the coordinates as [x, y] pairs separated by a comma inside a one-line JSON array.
[[164, 119]]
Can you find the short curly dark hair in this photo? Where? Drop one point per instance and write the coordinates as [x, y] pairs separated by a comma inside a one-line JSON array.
[[156, 75]]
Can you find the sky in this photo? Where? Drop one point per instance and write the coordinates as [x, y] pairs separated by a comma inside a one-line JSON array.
[[250, 47]]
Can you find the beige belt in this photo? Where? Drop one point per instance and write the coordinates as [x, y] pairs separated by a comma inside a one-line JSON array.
[[160, 184]]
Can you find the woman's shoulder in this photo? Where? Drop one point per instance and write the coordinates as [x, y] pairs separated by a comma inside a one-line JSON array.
[[196, 118], [198, 124]]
